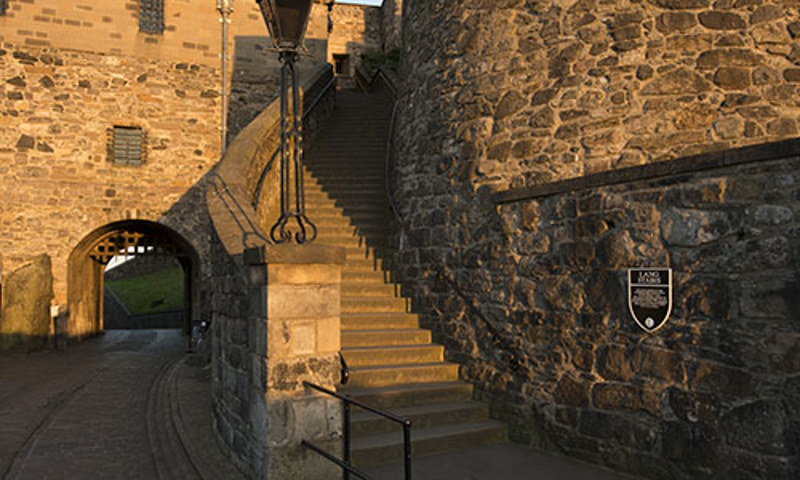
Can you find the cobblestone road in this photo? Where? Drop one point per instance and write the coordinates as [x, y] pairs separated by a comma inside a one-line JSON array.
[[83, 412]]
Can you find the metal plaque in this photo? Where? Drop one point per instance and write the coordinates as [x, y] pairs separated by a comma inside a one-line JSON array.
[[650, 296]]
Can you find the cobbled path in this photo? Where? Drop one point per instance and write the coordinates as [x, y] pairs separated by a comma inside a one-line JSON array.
[[83, 412]]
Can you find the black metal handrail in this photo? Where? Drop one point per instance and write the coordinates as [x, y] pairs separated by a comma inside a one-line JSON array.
[[345, 463], [439, 270]]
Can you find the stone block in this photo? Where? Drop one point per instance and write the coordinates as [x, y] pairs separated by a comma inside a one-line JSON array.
[[693, 227], [670, 22], [614, 363], [757, 426], [773, 296], [303, 274], [717, 20], [694, 407], [679, 81], [694, 444], [571, 392], [302, 301], [25, 316], [711, 377]]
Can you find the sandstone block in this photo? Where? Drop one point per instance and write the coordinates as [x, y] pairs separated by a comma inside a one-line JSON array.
[[694, 406], [766, 13], [728, 57], [717, 20], [757, 426], [782, 127], [25, 317], [732, 78], [511, 103], [570, 391], [792, 75], [613, 363], [678, 81], [681, 4], [729, 127], [670, 22], [693, 227]]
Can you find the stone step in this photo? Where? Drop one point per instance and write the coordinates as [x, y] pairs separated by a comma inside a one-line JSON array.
[[384, 337], [379, 321], [373, 304], [323, 208], [386, 448], [382, 376], [356, 219], [363, 264], [368, 289], [343, 181], [365, 276], [364, 194], [363, 231], [422, 417], [399, 396], [393, 355], [353, 244]]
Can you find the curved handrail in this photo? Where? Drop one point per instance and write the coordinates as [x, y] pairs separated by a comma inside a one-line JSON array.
[[441, 271]]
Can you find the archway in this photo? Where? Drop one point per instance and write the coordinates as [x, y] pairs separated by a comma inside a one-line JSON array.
[[88, 261]]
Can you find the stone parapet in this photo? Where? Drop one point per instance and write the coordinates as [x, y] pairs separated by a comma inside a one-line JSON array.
[[275, 311], [294, 292]]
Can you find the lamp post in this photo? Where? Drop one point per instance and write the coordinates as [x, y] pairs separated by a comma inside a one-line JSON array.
[[225, 9], [287, 21]]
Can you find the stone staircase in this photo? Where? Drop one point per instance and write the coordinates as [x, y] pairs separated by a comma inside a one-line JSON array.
[[393, 364]]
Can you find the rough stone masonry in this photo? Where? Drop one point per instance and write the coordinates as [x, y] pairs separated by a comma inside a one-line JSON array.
[[503, 100]]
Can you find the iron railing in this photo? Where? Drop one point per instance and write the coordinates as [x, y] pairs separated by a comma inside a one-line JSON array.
[[346, 462]]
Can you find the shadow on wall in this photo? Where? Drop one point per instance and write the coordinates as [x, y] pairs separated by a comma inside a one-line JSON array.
[[255, 77]]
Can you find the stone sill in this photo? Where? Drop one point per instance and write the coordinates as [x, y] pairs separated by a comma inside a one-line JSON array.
[[679, 166]]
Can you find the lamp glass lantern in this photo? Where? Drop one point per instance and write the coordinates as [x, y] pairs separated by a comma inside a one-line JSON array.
[[287, 21]]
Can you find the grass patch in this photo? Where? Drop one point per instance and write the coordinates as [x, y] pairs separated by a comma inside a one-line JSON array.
[[154, 292]]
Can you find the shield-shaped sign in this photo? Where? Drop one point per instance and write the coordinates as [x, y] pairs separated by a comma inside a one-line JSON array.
[[650, 296]]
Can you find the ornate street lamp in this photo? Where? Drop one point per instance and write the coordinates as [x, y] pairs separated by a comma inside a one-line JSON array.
[[287, 21], [225, 9]]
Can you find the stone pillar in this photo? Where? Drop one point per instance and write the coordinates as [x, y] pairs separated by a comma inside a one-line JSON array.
[[294, 310]]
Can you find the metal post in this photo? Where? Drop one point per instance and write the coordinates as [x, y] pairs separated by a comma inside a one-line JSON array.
[[225, 8], [407, 448], [291, 133], [346, 433]]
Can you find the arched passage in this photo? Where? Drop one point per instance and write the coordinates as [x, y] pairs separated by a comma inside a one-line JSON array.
[[88, 261]]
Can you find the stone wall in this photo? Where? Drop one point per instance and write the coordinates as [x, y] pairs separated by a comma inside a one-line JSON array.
[[59, 183], [192, 31], [521, 93], [392, 26], [527, 94], [261, 409], [713, 394], [356, 30], [71, 72]]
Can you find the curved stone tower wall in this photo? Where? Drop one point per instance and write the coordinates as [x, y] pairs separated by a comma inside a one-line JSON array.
[[531, 92], [524, 94]]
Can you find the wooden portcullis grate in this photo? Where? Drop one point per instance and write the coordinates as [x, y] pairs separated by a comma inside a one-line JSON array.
[[123, 242]]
